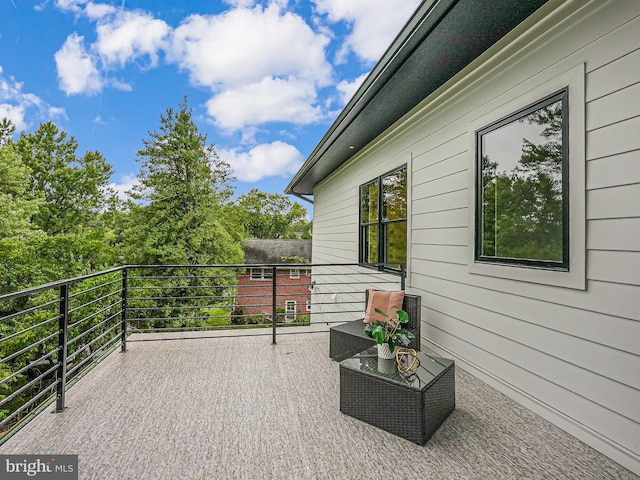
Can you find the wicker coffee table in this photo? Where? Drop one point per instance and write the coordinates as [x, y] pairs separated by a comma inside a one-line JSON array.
[[413, 407]]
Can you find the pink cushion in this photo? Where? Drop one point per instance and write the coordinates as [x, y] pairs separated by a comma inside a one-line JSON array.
[[389, 302]]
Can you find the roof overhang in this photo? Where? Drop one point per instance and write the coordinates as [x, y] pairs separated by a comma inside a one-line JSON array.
[[440, 39]]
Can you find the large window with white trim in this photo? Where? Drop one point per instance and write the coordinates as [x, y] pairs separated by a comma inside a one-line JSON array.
[[522, 187], [383, 220]]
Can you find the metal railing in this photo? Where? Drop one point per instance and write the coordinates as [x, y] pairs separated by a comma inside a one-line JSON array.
[[53, 334]]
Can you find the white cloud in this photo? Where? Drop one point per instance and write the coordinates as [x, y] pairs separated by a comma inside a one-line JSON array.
[[77, 72], [15, 113], [122, 36], [98, 10], [243, 46], [262, 64], [127, 182], [14, 104], [270, 100], [348, 89], [266, 160], [70, 5], [375, 22], [130, 35], [54, 112], [122, 86], [240, 3]]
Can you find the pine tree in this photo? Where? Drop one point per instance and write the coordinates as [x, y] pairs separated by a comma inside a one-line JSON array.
[[179, 213]]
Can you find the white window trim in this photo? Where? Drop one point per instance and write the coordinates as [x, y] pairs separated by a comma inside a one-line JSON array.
[[263, 274], [294, 273], [508, 103], [288, 314]]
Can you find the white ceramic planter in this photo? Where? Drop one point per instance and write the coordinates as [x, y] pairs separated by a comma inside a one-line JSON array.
[[384, 351]]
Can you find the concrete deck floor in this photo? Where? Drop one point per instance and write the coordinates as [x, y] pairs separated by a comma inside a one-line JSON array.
[[240, 407]]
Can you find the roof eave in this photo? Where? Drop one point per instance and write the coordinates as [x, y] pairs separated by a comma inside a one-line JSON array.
[[382, 99]]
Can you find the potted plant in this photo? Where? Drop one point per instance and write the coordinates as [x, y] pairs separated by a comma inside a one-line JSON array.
[[389, 333]]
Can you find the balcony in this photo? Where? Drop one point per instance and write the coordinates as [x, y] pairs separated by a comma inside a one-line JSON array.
[[218, 402]]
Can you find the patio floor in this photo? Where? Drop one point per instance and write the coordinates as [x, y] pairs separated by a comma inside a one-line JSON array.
[[239, 407]]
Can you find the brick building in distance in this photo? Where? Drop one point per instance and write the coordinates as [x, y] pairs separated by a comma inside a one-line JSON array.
[[255, 294]]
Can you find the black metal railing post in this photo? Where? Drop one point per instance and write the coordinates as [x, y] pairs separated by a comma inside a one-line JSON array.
[[403, 274], [274, 303], [63, 323], [123, 333]]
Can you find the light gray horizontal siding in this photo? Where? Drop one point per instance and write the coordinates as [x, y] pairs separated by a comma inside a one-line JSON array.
[[617, 107], [614, 202], [573, 355], [446, 330], [613, 171], [614, 234], [614, 139]]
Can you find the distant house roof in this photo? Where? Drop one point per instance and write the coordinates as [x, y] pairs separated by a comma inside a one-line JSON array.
[[440, 39], [272, 251]]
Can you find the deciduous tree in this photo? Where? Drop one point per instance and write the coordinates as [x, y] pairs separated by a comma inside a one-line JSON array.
[[272, 215]]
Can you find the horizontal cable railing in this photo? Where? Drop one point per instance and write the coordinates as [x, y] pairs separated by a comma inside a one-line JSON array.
[[52, 334], [49, 336]]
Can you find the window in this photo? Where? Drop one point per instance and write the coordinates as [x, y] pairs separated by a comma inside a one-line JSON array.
[[294, 273], [383, 220], [522, 203], [261, 274], [290, 310]]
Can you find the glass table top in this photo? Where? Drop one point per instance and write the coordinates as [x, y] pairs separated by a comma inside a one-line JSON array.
[[429, 370]]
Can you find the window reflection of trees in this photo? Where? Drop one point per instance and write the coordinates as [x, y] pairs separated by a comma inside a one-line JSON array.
[[522, 206], [383, 213]]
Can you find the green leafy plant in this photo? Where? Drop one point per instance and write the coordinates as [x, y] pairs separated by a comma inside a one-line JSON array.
[[390, 331]]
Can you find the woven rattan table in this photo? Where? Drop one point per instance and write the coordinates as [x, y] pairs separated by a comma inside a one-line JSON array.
[[413, 407]]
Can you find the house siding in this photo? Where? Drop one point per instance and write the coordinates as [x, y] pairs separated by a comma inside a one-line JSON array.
[[570, 354]]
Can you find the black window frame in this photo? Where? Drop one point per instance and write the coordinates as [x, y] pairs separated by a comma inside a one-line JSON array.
[[563, 265], [381, 225]]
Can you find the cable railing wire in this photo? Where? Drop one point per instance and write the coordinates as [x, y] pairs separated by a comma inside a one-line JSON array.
[[63, 329]]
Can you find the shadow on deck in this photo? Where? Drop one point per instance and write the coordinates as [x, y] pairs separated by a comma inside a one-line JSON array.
[[239, 407]]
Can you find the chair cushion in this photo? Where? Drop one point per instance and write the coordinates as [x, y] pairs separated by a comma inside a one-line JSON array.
[[388, 302]]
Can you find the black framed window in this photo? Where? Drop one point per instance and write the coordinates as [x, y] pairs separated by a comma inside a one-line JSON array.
[[383, 220], [522, 203]]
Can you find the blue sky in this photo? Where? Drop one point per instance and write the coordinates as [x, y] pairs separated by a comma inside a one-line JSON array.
[[265, 79]]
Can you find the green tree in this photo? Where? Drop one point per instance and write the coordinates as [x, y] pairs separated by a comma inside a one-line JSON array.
[[19, 238], [68, 195], [7, 129], [75, 188], [180, 212], [522, 208], [271, 215]]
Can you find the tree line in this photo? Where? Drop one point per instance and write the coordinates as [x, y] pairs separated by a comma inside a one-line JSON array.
[[59, 217]]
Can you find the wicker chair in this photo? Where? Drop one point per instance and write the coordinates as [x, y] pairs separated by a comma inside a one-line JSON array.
[[347, 339]]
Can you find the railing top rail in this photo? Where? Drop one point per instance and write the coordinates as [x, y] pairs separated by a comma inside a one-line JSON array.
[[266, 264], [56, 284], [69, 281]]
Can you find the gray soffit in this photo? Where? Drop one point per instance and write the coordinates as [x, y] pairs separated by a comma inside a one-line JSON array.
[[440, 39]]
